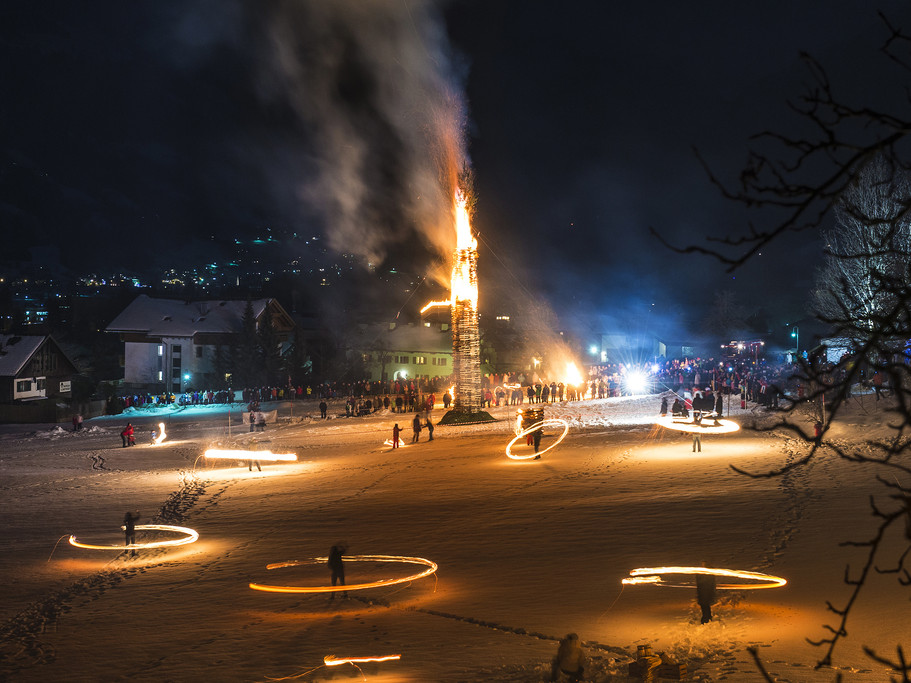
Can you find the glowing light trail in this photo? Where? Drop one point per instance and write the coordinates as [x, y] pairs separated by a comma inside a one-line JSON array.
[[227, 454], [707, 426], [431, 568], [653, 576], [546, 423], [433, 304], [332, 660], [190, 536], [161, 434]]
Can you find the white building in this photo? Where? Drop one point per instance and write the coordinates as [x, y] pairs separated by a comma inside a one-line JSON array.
[[171, 345]]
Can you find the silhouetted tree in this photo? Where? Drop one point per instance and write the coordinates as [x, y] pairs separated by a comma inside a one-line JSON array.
[[799, 182]]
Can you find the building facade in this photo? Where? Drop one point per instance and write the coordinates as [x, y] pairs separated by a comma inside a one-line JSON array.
[[172, 345]]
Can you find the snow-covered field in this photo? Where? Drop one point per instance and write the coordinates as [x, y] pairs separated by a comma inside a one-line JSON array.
[[527, 550]]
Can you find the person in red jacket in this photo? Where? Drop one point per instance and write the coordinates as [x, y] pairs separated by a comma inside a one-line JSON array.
[[127, 435], [395, 435]]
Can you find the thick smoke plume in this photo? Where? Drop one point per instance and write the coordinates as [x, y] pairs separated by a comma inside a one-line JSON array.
[[374, 84]]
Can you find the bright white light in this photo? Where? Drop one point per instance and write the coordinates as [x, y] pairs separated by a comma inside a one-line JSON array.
[[655, 368], [636, 382], [593, 350]]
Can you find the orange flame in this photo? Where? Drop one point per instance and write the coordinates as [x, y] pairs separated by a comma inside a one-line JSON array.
[[462, 287]]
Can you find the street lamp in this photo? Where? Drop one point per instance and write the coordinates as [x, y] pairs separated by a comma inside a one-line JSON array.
[[795, 335]]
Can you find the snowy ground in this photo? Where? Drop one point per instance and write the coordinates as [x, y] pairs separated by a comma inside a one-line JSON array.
[[527, 551]]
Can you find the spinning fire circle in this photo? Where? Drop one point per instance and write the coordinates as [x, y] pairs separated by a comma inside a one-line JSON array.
[[189, 536], [538, 425], [227, 454], [332, 660], [653, 577], [431, 568], [709, 425]]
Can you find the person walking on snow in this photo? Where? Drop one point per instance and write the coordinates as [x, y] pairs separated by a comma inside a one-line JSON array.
[[416, 426]]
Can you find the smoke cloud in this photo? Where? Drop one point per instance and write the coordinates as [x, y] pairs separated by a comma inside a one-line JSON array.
[[374, 84]]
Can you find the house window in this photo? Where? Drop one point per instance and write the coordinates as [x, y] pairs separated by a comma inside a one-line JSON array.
[[160, 376], [41, 383], [160, 350], [175, 350], [439, 361], [420, 360], [199, 352], [24, 385], [367, 358]]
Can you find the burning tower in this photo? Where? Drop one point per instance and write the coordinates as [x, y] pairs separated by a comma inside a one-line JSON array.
[[466, 341]]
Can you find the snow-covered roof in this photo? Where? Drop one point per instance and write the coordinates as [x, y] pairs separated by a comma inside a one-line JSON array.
[[15, 352], [174, 318], [417, 338]]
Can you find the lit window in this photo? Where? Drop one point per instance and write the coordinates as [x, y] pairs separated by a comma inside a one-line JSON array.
[[160, 350]]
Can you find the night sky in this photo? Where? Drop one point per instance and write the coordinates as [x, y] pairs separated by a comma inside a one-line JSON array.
[[132, 127]]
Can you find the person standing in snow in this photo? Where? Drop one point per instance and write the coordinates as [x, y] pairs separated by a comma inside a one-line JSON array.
[[129, 529], [395, 435], [416, 427], [337, 567], [705, 594], [570, 659], [127, 435], [429, 425]]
